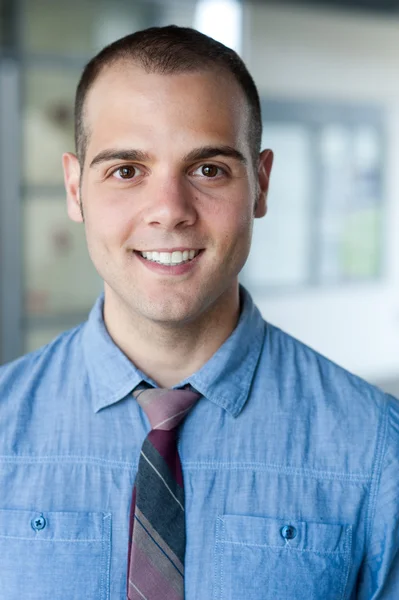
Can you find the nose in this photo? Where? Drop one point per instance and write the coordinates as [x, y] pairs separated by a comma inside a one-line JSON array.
[[171, 204]]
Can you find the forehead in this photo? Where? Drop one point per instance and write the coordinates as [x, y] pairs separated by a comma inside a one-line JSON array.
[[126, 103]]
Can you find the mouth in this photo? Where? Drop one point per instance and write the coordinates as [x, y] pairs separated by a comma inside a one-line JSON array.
[[170, 259]]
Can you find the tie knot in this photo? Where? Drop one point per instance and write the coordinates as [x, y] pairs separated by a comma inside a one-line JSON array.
[[165, 408]]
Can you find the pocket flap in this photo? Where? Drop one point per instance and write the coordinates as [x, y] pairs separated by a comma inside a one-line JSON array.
[[272, 532], [56, 526]]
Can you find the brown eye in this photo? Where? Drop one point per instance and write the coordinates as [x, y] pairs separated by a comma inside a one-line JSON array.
[[210, 170], [126, 172]]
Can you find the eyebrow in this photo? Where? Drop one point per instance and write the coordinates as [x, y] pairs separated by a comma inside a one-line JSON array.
[[202, 153], [128, 155], [211, 151]]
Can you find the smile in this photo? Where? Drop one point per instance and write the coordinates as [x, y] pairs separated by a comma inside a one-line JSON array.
[[174, 258]]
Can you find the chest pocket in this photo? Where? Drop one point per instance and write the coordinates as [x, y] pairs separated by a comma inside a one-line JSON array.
[[259, 558], [52, 555]]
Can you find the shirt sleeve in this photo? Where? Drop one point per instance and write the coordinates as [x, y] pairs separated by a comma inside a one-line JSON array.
[[380, 573]]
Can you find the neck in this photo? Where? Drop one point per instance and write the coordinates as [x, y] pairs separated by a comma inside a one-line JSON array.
[[169, 353]]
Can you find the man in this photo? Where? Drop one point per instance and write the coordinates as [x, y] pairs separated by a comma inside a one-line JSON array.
[[290, 484]]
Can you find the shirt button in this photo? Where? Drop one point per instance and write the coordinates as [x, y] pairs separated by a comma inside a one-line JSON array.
[[38, 523], [288, 532]]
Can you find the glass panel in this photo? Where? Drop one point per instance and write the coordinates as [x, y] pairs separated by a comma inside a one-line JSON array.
[[335, 177], [59, 277], [351, 193], [362, 236], [47, 123]]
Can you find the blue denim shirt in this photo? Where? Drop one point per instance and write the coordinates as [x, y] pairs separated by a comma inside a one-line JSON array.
[[290, 467]]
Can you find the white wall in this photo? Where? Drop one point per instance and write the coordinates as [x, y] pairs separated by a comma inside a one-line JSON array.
[[319, 54]]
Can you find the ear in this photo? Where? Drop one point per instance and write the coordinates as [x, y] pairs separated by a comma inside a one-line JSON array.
[[264, 170], [71, 167]]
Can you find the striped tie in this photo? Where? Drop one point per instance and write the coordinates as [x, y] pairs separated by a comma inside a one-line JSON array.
[[157, 523]]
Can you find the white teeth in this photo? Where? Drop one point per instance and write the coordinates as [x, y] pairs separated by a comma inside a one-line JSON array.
[[165, 258], [177, 257], [170, 258]]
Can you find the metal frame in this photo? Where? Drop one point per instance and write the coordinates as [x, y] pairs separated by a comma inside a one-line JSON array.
[[10, 212]]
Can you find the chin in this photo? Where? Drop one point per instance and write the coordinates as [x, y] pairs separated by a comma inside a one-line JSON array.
[[169, 317], [167, 307]]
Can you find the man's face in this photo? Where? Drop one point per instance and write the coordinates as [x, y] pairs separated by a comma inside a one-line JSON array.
[[167, 175]]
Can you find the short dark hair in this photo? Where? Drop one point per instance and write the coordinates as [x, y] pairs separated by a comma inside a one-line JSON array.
[[169, 50]]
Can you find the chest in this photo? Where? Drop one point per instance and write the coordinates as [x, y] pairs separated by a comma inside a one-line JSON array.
[[253, 531]]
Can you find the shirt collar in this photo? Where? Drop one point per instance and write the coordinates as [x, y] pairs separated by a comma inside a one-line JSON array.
[[225, 379]]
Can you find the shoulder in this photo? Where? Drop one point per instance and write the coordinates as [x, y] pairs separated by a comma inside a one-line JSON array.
[[333, 405], [339, 421], [311, 373], [43, 366]]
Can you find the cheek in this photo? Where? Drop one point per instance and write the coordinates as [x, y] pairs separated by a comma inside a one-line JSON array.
[[108, 218], [235, 226]]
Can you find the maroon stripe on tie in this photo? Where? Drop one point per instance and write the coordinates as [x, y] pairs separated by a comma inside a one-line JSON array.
[[131, 525], [161, 440]]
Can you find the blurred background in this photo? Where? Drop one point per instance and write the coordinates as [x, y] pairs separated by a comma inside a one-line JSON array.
[[325, 262]]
